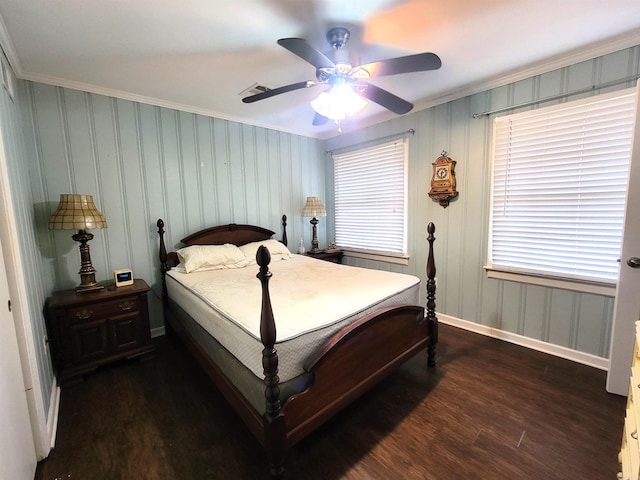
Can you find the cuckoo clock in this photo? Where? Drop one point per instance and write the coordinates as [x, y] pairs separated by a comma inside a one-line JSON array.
[[443, 181]]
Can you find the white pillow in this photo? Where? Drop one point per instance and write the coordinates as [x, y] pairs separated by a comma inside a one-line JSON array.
[[278, 250], [198, 258]]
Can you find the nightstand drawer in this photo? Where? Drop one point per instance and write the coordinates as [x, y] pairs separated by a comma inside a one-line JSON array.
[[104, 309]]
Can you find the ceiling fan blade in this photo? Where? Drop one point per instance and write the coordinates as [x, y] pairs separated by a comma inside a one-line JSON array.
[[386, 99], [319, 120], [301, 48], [277, 91], [411, 63]]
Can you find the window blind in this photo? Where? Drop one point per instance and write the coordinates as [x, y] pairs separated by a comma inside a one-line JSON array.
[[559, 188], [371, 198]]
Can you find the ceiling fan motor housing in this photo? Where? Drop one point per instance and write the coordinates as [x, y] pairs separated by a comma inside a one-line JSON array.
[[338, 37]]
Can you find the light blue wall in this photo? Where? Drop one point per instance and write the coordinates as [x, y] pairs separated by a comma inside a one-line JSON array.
[[142, 163], [578, 321]]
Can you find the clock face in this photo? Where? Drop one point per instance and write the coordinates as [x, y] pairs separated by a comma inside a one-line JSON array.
[[442, 173]]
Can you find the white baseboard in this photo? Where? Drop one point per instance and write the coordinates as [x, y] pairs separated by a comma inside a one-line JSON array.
[[563, 352], [52, 414], [157, 332]]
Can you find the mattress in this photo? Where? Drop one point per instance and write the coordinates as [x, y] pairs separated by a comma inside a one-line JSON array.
[[311, 300]]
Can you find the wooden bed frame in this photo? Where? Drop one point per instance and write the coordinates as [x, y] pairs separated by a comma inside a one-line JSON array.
[[350, 363]]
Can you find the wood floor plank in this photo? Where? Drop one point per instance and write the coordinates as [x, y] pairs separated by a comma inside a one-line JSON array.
[[489, 410]]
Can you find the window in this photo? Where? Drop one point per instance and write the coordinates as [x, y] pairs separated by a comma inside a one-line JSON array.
[[371, 200], [559, 187]]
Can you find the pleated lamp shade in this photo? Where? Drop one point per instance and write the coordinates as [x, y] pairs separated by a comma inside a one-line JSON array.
[[76, 212], [314, 208]]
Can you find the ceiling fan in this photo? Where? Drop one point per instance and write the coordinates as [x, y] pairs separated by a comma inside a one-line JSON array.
[[347, 87]]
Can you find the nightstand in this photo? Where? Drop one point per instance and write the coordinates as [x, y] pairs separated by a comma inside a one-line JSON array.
[[334, 256], [87, 330]]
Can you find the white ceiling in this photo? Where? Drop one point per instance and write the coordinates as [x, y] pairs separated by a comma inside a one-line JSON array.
[[201, 55]]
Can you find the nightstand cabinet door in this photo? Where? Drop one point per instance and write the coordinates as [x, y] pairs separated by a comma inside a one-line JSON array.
[[126, 332], [88, 340], [91, 329]]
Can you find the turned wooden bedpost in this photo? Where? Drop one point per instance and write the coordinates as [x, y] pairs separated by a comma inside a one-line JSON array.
[[275, 440], [163, 261], [432, 319], [284, 229]]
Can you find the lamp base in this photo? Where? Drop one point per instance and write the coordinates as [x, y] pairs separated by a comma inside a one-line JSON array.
[[89, 288], [87, 272], [314, 240]]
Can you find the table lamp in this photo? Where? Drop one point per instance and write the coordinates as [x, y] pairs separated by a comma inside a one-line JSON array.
[[314, 208], [78, 212]]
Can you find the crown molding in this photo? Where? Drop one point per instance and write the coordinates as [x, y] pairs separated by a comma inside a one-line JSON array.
[[108, 92], [595, 50]]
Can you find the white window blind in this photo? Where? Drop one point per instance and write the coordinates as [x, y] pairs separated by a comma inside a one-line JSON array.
[[371, 198], [559, 186]]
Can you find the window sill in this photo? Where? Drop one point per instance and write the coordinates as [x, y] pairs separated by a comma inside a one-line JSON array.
[[604, 289], [380, 257]]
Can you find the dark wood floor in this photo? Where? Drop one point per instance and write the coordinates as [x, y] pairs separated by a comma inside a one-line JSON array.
[[490, 410]]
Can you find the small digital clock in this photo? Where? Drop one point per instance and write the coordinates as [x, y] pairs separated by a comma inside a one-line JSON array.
[[123, 277]]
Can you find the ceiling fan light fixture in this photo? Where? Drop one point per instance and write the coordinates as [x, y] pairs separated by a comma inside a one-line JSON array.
[[338, 103]]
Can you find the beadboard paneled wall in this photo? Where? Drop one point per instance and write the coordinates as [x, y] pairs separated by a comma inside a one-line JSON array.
[[577, 321], [142, 163]]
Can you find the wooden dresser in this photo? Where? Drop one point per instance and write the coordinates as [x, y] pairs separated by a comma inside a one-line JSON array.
[[629, 456], [88, 330]]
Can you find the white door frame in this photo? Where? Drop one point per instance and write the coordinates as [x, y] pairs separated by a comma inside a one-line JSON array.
[[626, 310]]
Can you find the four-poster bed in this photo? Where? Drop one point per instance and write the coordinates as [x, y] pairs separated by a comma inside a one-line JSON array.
[[282, 367]]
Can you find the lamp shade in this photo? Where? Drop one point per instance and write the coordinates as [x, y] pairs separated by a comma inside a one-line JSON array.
[[76, 212], [314, 208]]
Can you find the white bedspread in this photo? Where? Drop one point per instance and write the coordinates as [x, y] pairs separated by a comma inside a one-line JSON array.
[[306, 294]]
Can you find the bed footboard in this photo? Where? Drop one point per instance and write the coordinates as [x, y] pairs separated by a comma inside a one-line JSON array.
[[354, 360], [351, 362]]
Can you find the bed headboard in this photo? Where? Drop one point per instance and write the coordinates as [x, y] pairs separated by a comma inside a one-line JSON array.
[[233, 233]]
